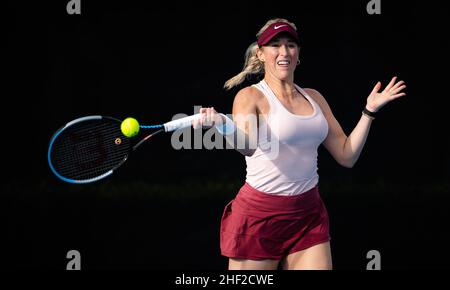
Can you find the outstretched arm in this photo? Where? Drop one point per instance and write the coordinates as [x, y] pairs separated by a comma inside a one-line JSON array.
[[245, 128], [346, 150]]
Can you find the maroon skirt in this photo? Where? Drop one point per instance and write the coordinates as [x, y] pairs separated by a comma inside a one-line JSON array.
[[257, 225]]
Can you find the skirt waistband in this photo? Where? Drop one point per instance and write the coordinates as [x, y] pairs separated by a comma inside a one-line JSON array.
[[249, 197]]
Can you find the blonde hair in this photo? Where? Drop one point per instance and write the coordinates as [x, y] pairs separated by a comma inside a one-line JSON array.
[[252, 64]]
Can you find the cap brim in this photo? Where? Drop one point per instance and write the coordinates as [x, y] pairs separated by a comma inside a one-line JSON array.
[[269, 36]]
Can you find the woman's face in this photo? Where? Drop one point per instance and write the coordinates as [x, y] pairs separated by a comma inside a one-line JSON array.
[[280, 57]]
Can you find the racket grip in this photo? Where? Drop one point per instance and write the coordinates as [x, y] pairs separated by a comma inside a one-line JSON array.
[[180, 123]]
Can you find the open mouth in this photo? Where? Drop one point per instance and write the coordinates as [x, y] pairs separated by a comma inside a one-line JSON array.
[[283, 62]]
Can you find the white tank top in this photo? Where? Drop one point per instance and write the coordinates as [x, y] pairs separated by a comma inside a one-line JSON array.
[[285, 161]]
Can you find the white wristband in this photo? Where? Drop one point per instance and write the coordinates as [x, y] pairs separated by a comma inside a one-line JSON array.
[[227, 128]]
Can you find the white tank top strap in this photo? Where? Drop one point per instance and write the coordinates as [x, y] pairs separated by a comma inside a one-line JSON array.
[[310, 99], [275, 103], [267, 92]]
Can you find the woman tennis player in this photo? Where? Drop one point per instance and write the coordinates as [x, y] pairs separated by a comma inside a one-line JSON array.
[[278, 215]]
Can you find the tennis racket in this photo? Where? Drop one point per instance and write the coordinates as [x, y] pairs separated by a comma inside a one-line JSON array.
[[91, 148]]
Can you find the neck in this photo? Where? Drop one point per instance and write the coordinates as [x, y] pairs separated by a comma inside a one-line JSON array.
[[284, 89]]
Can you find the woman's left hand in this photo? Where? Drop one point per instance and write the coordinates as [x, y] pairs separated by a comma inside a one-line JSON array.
[[377, 100]]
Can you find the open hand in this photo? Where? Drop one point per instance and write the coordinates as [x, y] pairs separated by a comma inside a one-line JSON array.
[[377, 100]]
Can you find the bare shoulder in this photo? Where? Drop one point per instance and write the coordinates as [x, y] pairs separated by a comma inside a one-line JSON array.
[[249, 94], [247, 99]]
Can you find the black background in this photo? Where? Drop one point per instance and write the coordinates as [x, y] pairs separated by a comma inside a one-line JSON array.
[[153, 60]]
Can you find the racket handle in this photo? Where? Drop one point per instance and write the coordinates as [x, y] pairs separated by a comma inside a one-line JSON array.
[[180, 123]]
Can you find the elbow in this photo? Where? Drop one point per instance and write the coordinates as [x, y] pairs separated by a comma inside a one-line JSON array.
[[247, 153], [347, 163]]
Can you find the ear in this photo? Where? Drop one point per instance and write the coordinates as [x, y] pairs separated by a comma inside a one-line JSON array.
[[260, 54]]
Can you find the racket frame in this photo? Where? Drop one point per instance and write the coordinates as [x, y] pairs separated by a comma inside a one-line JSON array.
[[69, 124]]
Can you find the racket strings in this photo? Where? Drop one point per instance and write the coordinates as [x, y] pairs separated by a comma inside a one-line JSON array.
[[90, 143], [87, 168], [91, 165]]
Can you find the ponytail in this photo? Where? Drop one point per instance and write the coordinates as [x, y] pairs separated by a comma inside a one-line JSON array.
[[252, 65]]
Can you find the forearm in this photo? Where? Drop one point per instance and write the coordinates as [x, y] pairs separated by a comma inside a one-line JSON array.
[[355, 141], [240, 143], [237, 138]]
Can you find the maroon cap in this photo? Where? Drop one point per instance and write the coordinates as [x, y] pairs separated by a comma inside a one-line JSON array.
[[274, 29]]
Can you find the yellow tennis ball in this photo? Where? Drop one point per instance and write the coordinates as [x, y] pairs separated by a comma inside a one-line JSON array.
[[129, 127]]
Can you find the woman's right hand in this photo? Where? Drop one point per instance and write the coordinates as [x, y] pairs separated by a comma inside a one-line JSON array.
[[209, 118]]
